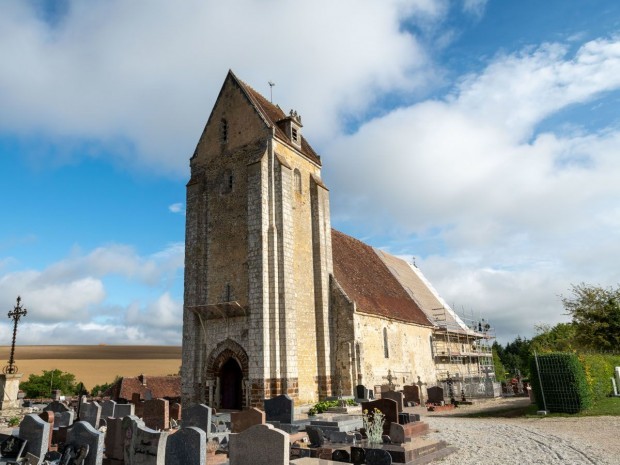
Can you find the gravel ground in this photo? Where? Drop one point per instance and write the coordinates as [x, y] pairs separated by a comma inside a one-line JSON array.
[[524, 441]]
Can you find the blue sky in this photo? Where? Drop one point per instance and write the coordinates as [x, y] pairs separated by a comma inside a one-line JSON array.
[[480, 137]]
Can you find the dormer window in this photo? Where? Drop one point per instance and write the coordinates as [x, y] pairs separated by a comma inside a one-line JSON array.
[[291, 126]]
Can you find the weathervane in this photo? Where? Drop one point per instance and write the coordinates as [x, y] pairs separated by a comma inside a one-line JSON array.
[[271, 84], [16, 314]]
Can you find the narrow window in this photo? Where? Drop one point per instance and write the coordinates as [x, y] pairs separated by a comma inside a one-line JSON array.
[[294, 133], [227, 182], [228, 293], [432, 346], [297, 179], [223, 130], [386, 351]]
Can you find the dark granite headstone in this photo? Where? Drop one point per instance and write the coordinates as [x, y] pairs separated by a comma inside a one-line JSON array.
[[56, 407], [378, 457], [188, 446], [434, 394], [396, 396], [37, 432], [12, 447], [198, 415], [280, 409], [387, 406], [358, 455], [315, 435], [412, 393], [341, 455], [83, 434]]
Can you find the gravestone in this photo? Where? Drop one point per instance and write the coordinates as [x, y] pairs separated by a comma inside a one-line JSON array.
[[198, 415], [412, 394], [434, 394], [37, 434], [280, 409], [341, 436], [48, 417], [13, 448], [341, 455], [395, 396], [114, 439], [143, 446], [63, 419], [387, 406], [137, 403], [107, 408], [90, 412], [259, 445], [124, 410], [83, 434], [57, 407], [358, 455], [363, 393], [315, 435], [246, 418], [188, 446], [397, 433], [175, 412], [155, 414], [378, 457]]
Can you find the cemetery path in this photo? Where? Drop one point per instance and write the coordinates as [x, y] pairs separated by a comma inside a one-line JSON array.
[[565, 440]]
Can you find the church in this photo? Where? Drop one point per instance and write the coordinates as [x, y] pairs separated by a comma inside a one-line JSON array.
[[278, 302]]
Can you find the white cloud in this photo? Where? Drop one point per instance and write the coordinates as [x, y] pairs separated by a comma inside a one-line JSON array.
[[475, 7], [116, 74], [176, 208], [504, 200], [165, 312]]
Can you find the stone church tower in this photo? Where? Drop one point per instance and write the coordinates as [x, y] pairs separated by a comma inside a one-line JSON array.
[[258, 258]]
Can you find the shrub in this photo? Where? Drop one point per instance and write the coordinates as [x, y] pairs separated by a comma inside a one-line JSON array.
[[562, 380], [599, 369]]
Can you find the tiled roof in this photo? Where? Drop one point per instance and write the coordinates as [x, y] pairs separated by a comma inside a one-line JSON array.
[[159, 386], [367, 281], [424, 294], [272, 114]]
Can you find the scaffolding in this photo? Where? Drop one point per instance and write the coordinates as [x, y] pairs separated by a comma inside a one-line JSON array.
[[463, 354]]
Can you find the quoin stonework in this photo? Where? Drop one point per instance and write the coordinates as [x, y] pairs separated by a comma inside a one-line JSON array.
[[276, 301]]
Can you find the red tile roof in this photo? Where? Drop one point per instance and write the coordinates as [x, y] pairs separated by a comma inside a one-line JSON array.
[[272, 114], [366, 280], [160, 386]]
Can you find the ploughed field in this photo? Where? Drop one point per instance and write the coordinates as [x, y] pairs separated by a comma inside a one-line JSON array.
[[97, 364]]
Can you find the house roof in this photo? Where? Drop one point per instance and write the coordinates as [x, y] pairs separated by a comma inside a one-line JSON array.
[[272, 114], [159, 387], [365, 279]]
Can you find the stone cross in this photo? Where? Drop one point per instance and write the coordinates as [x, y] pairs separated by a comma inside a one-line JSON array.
[[450, 383], [16, 314], [390, 378], [420, 384]]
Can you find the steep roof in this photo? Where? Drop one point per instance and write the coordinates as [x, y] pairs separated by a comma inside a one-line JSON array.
[[367, 281], [422, 291], [159, 387], [272, 114]]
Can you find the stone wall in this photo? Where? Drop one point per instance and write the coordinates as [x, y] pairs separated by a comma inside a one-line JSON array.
[[409, 351]]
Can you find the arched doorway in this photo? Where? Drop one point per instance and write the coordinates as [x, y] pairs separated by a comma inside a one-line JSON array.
[[231, 378]]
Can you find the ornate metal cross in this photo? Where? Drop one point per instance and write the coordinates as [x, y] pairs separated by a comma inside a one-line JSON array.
[[16, 314]]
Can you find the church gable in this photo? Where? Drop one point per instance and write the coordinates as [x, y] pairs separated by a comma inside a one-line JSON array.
[[366, 280]]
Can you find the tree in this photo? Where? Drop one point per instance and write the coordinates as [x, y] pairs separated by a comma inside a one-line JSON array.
[[42, 385], [559, 338], [500, 371], [516, 356], [101, 388], [596, 316]]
